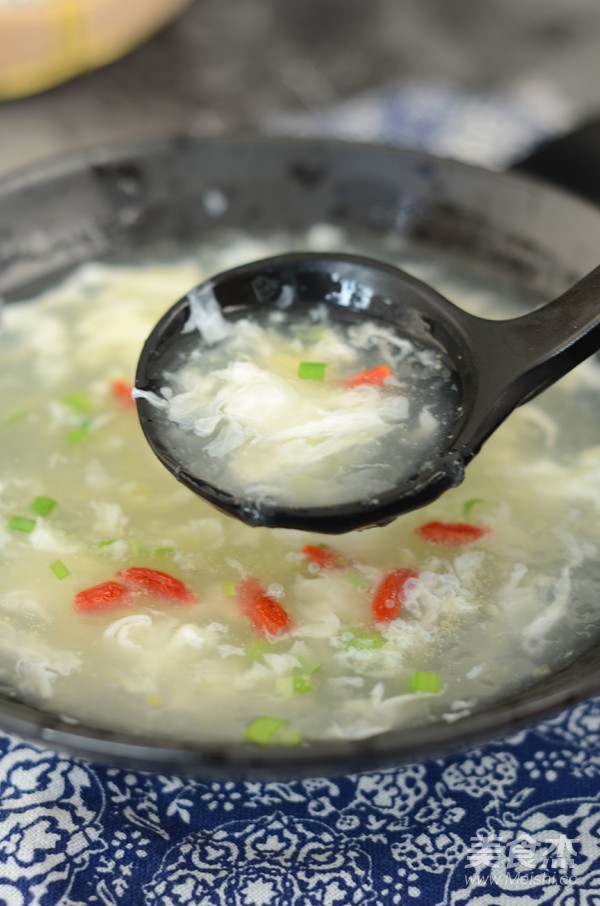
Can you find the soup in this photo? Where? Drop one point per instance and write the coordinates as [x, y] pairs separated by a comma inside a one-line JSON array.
[[293, 406], [126, 602]]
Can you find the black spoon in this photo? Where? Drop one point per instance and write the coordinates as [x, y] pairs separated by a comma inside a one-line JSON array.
[[497, 366]]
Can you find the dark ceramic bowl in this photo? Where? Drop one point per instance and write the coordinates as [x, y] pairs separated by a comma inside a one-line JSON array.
[[128, 203]]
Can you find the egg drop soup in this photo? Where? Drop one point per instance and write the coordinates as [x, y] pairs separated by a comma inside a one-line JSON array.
[[128, 603]]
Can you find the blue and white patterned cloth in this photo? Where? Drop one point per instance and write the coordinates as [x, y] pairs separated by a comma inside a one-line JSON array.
[[516, 822]]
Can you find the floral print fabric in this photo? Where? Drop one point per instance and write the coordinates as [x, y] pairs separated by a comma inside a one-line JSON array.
[[516, 822]]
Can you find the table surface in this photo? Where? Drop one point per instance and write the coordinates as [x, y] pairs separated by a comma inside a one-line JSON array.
[[230, 66]]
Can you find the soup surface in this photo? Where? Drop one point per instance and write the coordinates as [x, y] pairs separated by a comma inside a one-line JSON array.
[[126, 602], [293, 406]]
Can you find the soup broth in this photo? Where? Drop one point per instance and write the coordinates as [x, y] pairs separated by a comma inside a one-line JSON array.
[[294, 407], [126, 602]]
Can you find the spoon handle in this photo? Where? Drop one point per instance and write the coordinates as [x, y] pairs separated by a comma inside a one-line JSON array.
[[518, 358], [555, 338]]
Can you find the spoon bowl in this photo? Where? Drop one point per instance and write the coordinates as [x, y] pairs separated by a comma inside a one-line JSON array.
[[492, 367]]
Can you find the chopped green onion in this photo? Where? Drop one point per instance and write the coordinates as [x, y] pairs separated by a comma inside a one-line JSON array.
[[311, 371], [229, 589], [60, 570], [14, 417], [265, 730], [258, 648], [107, 542], [365, 641], [357, 580], [468, 506], [21, 524], [287, 686], [308, 668], [75, 436], [288, 736], [79, 401], [142, 549], [163, 550], [424, 681], [42, 506], [302, 684]]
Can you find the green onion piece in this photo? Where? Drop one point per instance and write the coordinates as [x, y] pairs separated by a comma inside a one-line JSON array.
[[258, 648], [21, 524], [287, 686], [366, 641], [311, 371], [424, 681], [163, 550], [357, 580], [79, 400], [288, 736], [42, 506], [308, 333], [307, 668], [14, 417], [302, 684], [75, 436], [229, 589], [265, 730], [468, 506], [60, 570], [110, 547]]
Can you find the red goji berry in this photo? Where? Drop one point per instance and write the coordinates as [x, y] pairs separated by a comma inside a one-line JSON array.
[[263, 610], [452, 533], [105, 596], [388, 599], [156, 584], [325, 557], [122, 392], [372, 377]]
